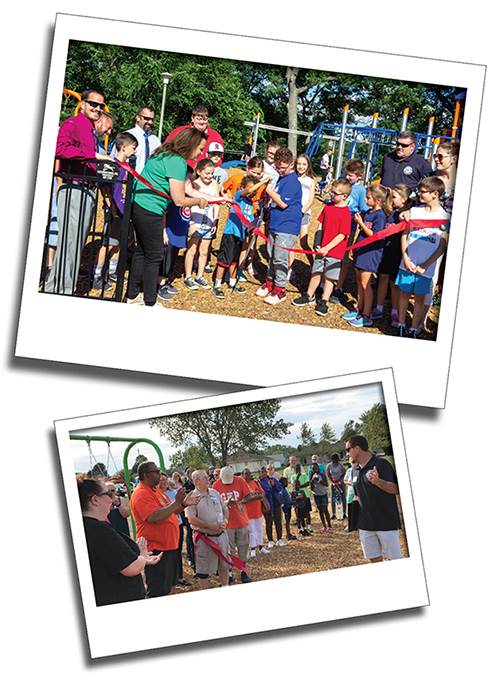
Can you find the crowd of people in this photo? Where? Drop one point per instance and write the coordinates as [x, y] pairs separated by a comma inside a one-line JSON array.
[[181, 206], [221, 517]]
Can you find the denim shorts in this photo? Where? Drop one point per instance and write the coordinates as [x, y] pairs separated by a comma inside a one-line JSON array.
[[409, 282]]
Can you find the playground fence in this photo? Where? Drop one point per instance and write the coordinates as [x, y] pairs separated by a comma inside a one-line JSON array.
[[78, 227]]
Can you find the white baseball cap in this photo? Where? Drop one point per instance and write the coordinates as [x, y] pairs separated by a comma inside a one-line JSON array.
[[226, 475], [215, 147]]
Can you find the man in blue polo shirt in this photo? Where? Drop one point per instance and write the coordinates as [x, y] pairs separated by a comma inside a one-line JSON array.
[[284, 226], [403, 165], [375, 487]]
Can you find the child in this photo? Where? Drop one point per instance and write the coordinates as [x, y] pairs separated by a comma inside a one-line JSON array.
[[301, 502], [319, 484], [286, 506], [367, 259], [255, 168], [421, 250], [354, 171], [126, 145], [391, 257], [284, 226], [303, 169], [335, 226], [232, 239], [203, 224], [215, 153], [324, 166]]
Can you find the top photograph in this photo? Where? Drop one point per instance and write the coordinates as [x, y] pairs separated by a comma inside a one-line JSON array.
[[252, 190], [197, 189]]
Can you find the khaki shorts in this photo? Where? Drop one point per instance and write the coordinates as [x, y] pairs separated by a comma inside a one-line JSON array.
[[206, 560], [238, 539]]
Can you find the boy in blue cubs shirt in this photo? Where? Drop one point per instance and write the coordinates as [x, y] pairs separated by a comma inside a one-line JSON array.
[[284, 226], [233, 237]]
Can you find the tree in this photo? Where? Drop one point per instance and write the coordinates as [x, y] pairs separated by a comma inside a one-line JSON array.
[[193, 456], [327, 438], [375, 427], [218, 431], [350, 428], [307, 437], [98, 471]]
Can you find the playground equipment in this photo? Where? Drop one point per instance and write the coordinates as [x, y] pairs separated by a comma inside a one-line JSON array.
[[344, 138], [131, 441]]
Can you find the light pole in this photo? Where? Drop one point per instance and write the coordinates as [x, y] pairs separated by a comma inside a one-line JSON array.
[[166, 79]]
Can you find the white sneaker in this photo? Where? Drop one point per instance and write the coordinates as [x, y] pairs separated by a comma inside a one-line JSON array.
[[275, 298], [270, 544], [263, 291], [280, 543], [250, 270], [263, 550], [253, 553], [138, 300]]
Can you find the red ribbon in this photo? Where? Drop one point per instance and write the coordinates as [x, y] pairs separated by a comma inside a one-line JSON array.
[[387, 232], [231, 560], [394, 228]]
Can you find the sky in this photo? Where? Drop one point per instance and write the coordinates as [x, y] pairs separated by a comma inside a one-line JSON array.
[[335, 407]]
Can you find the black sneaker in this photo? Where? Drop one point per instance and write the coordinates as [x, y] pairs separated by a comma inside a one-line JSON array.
[[321, 308], [209, 268], [238, 289], [291, 537], [412, 333], [202, 283], [338, 297], [191, 284], [245, 578], [218, 293], [230, 579], [303, 300]]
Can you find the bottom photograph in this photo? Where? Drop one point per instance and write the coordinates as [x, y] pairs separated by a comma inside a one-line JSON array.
[[212, 510]]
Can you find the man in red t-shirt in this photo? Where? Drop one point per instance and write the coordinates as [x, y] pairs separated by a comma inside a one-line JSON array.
[[156, 520], [199, 120], [331, 243], [235, 493]]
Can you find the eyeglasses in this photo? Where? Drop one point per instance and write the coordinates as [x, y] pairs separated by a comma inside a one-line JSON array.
[[403, 145], [200, 117], [148, 119], [95, 104], [440, 157], [108, 493], [338, 194]]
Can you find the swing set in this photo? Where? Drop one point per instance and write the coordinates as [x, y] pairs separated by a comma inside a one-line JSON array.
[[131, 441]]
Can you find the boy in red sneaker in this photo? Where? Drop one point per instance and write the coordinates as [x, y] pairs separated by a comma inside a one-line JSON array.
[[284, 226]]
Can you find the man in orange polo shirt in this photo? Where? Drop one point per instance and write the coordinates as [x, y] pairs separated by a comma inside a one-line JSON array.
[[235, 493], [156, 520]]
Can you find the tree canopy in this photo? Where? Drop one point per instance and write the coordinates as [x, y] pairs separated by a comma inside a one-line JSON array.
[[375, 427], [219, 431], [235, 91]]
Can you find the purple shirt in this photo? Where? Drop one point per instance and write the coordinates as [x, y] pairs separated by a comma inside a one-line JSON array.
[[76, 140]]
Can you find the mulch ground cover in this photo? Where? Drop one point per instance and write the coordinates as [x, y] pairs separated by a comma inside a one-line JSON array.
[[321, 551]]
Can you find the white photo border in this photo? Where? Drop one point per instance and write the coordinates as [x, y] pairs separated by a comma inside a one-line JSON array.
[[421, 375], [346, 592]]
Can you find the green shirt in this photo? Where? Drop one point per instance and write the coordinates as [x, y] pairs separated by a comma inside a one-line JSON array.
[[158, 170], [303, 479]]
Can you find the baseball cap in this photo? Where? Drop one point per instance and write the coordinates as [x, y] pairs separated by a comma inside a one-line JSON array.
[[215, 147], [226, 475]]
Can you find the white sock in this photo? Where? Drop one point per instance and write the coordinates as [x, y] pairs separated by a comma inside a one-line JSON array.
[[98, 270], [217, 283], [380, 308], [232, 282]]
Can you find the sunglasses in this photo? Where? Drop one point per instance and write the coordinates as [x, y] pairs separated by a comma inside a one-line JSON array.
[[332, 192], [403, 145], [95, 104], [148, 119], [440, 157]]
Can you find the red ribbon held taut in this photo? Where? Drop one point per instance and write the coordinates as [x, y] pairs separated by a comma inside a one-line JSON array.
[[231, 559]]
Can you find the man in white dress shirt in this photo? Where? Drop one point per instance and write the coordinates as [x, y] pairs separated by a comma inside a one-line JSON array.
[[147, 141]]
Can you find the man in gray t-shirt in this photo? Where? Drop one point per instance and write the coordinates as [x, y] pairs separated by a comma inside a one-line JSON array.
[[209, 517]]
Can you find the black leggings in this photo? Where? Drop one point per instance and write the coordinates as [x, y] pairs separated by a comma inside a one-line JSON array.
[[148, 254], [274, 516]]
